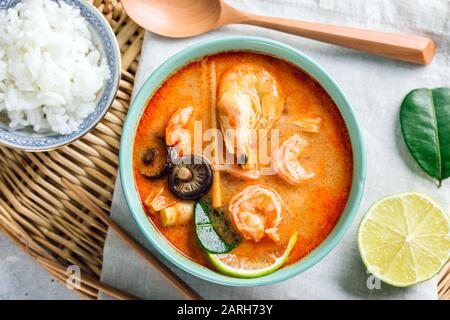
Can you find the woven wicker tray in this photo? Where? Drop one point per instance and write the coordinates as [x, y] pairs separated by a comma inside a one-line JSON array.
[[48, 221]]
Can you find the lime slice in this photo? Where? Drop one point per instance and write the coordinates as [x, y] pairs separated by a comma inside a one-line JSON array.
[[404, 239], [256, 265]]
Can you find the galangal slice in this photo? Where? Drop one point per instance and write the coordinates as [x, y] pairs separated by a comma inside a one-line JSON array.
[[177, 134]]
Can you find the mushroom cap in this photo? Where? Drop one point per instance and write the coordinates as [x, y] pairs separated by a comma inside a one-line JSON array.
[[153, 159], [191, 177]]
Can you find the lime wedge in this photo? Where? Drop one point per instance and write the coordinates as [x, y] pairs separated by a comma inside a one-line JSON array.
[[256, 265], [404, 239]]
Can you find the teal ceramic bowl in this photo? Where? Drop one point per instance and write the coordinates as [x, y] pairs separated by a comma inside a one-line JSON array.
[[272, 48]]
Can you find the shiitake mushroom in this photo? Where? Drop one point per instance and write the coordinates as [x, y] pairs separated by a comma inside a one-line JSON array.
[[153, 162], [191, 177]]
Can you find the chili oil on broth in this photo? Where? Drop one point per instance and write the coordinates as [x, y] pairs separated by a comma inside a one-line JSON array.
[[314, 206]]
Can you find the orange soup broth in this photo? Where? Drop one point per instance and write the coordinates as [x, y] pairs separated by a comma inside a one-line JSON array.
[[314, 206]]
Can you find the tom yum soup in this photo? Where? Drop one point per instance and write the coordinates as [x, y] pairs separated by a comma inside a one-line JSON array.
[[243, 163]]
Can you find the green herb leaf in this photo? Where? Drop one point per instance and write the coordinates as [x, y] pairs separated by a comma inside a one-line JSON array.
[[425, 124], [214, 231]]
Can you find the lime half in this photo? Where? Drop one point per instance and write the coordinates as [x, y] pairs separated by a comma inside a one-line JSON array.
[[404, 239], [256, 265]]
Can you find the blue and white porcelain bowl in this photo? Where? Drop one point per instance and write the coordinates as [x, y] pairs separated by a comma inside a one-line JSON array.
[[105, 41]]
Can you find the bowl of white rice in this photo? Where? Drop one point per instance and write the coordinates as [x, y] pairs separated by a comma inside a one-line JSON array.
[[59, 72]]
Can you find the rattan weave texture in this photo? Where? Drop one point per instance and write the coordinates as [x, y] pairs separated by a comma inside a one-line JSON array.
[[38, 212]]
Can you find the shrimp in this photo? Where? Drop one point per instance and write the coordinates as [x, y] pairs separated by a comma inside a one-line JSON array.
[[238, 171], [249, 99], [257, 211], [287, 160], [177, 134]]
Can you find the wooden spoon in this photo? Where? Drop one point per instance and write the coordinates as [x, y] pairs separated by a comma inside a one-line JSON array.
[[186, 18]]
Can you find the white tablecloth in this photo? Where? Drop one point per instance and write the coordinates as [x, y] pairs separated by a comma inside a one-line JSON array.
[[375, 86]]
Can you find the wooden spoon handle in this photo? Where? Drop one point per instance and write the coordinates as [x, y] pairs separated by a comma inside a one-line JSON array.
[[408, 48]]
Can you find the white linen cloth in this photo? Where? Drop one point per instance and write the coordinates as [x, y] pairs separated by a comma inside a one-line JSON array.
[[376, 88]]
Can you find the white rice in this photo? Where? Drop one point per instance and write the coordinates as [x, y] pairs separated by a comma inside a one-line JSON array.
[[50, 70]]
